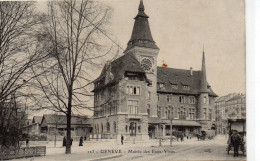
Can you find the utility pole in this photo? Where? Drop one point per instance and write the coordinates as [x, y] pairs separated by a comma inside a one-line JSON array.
[[171, 130]]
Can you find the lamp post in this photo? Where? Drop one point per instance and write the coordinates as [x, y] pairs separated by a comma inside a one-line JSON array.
[[160, 138]]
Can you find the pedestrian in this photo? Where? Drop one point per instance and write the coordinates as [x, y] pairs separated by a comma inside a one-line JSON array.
[[182, 137], [71, 140], [27, 142], [122, 139], [81, 141], [64, 141], [236, 140]]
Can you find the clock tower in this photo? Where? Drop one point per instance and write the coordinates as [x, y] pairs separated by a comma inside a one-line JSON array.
[[143, 47]]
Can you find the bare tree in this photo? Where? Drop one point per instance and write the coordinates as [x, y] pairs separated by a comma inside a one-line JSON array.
[[74, 37], [18, 48]]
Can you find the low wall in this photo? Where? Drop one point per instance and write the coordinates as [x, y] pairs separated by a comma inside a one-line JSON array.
[[13, 153]]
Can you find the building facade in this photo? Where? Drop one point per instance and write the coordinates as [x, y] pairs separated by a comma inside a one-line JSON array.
[[136, 98], [231, 106]]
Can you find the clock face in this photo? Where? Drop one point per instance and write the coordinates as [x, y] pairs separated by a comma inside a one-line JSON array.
[[146, 64]]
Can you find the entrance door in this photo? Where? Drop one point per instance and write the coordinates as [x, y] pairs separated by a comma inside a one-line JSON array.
[[132, 129]]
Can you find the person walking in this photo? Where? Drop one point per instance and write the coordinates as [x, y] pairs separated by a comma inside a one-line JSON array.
[[122, 139], [236, 140], [27, 142], [81, 141], [64, 141]]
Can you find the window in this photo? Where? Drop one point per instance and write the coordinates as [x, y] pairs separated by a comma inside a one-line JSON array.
[[160, 85], [191, 114], [166, 112], [114, 127], [181, 99], [205, 113], [192, 100], [204, 99], [148, 110], [168, 98], [126, 128], [186, 87], [169, 113], [135, 90], [159, 111], [174, 86], [114, 108], [179, 113], [108, 127], [133, 106], [158, 97], [149, 95], [210, 114]]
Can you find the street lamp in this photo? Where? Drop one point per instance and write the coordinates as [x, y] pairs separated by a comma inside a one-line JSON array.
[[171, 130], [160, 139]]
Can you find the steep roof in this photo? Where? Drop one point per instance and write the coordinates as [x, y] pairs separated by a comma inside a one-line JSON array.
[[180, 77], [37, 119], [141, 34], [117, 69], [239, 96], [62, 119]]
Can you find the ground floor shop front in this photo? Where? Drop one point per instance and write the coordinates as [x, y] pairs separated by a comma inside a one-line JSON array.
[[141, 128]]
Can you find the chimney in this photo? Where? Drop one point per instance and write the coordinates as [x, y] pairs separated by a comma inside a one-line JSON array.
[[191, 71]]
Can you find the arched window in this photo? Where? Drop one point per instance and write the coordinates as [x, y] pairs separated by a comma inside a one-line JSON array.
[[97, 128], [114, 127], [108, 127], [101, 128]]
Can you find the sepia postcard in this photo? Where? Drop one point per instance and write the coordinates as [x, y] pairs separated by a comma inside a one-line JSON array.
[[85, 80]]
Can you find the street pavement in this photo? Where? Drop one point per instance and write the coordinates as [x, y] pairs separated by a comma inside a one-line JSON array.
[[110, 150]]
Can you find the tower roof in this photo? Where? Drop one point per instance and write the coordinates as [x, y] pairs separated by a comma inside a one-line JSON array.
[[203, 78], [141, 34]]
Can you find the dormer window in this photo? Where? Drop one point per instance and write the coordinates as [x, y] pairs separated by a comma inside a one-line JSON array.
[[160, 85], [174, 86], [186, 87]]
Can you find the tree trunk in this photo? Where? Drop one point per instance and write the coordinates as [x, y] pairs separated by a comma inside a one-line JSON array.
[[68, 142]]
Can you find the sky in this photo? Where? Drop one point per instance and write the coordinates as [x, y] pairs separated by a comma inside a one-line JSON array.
[[181, 28]]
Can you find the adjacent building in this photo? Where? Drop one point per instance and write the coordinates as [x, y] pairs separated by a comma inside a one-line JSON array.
[[55, 126], [231, 106], [136, 98]]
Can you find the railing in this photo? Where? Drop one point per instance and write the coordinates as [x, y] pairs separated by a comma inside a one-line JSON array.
[[13, 153]]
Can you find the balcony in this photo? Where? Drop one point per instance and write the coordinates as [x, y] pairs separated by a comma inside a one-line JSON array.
[[135, 116]]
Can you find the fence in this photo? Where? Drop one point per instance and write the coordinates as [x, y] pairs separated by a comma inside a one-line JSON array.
[[13, 153]]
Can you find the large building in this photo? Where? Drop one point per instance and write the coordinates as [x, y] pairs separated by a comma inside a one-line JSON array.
[[136, 98], [231, 106]]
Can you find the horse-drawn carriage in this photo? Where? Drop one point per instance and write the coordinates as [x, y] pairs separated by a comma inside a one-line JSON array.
[[206, 134], [238, 125]]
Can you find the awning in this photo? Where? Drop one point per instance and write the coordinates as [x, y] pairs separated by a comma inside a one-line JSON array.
[[155, 120], [183, 123]]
